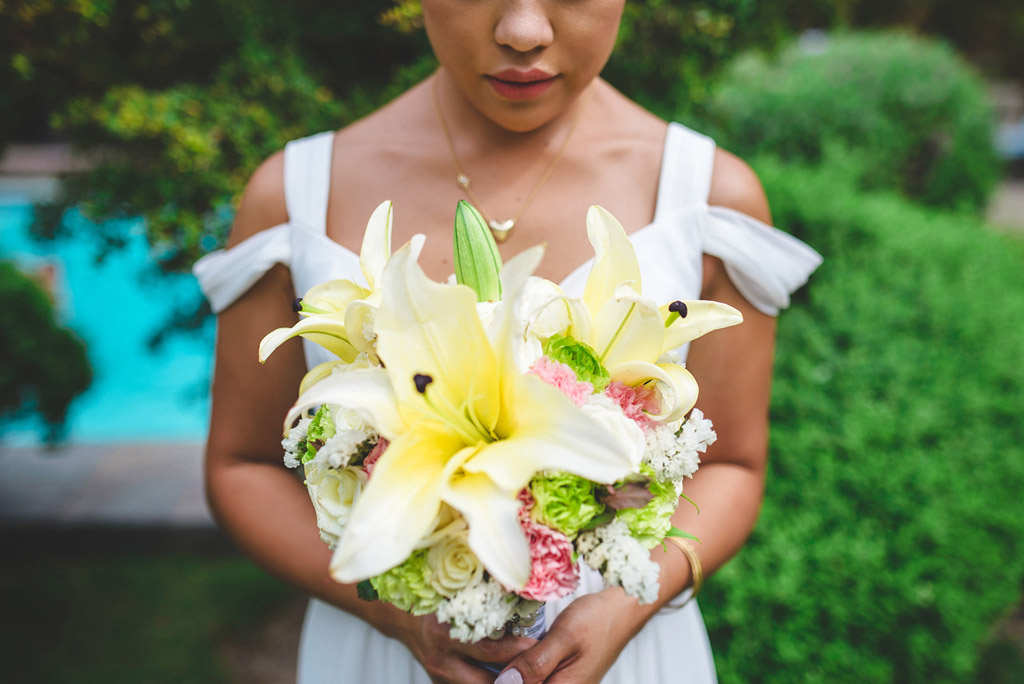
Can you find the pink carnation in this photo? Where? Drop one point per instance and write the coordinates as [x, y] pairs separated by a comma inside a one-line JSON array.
[[633, 401], [552, 572], [374, 455], [564, 378]]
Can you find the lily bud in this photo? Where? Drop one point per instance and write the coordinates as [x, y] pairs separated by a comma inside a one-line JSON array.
[[477, 263]]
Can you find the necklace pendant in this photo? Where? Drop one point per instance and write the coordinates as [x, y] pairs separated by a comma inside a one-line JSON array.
[[463, 181], [501, 229]]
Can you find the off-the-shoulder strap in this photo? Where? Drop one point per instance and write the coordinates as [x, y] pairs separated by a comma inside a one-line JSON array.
[[307, 180], [227, 274], [686, 165], [765, 264]]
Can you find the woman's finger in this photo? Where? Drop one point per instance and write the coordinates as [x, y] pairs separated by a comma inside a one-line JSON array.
[[501, 651], [536, 663]]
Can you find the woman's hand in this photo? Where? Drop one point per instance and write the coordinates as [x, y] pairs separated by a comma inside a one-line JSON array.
[[583, 642], [448, 661]]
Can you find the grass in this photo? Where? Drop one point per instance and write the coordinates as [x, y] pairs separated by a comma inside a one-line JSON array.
[[126, 616]]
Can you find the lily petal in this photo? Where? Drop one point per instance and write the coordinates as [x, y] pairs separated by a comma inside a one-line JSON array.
[[677, 386], [318, 373], [358, 318], [332, 296], [376, 248], [549, 432], [324, 329], [508, 333], [495, 535], [427, 328], [614, 259], [398, 506], [628, 327], [366, 392], [702, 317]]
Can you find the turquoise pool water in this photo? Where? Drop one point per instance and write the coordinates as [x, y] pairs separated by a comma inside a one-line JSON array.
[[115, 306]]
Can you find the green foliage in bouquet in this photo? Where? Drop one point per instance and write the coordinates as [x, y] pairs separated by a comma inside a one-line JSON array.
[[43, 365], [918, 112], [408, 585], [892, 536], [651, 523]]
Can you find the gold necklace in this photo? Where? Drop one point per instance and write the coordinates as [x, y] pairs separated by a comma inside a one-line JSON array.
[[501, 229]]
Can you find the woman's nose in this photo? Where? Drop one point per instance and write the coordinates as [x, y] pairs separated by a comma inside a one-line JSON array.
[[524, 26]]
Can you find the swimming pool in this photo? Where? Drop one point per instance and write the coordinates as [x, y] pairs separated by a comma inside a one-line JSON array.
[[115, 306]]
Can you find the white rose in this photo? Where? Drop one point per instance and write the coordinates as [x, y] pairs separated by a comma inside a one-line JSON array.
[[333, 492], [454, 565]]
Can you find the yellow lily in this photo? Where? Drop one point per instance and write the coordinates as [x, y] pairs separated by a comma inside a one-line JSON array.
[[629, 332], [338, 314], [465, 426]]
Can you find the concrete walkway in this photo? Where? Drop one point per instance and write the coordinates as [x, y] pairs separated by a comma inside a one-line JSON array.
[[125, 485]]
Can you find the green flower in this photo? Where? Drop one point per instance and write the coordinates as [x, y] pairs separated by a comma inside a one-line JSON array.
[[564, 502], [321, 429], [580, 357], [650, 524], [408, 585]]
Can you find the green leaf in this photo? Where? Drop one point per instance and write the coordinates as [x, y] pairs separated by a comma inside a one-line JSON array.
[[676, 532], [366, 591], [601, 518]]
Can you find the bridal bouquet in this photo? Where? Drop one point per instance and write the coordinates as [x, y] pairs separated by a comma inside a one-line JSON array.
[[475, 439]]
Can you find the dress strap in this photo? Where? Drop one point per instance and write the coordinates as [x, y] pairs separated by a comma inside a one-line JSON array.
[[307, 180], [686, 166]]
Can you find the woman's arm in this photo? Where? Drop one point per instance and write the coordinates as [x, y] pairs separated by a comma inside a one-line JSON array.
[[733, 368], [263, 506]]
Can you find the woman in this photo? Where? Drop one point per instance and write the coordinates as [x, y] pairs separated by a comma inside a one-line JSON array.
[[517, 118]]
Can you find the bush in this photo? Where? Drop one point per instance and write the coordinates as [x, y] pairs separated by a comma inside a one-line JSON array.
[[42, 365], [892, 536], [179, 141], [918, 112]]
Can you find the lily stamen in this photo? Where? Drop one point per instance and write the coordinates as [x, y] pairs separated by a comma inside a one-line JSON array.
[[677, 307]]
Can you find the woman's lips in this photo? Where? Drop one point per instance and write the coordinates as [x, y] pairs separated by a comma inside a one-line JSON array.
[[521, 85]]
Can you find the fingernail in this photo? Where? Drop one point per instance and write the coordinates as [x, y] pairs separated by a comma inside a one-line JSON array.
[[509, 677]]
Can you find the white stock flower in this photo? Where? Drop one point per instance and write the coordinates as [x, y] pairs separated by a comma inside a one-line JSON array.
[[622, 560], [337, 451], [477, 610], [333, 492], [292, 457], [673, 449]]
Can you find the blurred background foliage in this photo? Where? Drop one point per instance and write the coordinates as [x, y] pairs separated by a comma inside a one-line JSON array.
[[917, 114], [179, 100], [892, 536], [44, 364], [891, 539]]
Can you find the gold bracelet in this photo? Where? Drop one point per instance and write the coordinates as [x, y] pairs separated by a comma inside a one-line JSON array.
[[695, 567]]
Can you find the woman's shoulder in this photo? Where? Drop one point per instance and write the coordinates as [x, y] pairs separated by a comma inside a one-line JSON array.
[[263, 203], [734, 185]]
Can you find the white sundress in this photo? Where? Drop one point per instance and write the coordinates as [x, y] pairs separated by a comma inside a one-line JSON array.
[[765, 264]]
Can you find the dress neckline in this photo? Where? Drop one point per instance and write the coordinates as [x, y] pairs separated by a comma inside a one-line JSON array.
[[660, 213], [345, 251]]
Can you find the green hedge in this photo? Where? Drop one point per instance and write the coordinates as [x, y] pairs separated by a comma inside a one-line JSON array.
[[892, 537], [917, 111], [43, 366]]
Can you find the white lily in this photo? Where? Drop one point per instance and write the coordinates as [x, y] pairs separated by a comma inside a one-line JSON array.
[[465, 426], [338, 315], [629, 332]]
